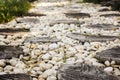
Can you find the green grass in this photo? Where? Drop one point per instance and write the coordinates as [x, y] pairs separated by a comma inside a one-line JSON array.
[[9, 9]]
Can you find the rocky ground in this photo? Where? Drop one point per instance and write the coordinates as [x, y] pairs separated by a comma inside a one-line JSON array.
[[64, 33]]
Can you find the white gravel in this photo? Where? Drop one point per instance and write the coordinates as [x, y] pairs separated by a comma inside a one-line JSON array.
[[44, 59]]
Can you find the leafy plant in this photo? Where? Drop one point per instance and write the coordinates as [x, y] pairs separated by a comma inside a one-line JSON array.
[[9, 9]]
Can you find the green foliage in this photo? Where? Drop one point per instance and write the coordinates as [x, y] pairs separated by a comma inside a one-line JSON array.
[[9, 9]]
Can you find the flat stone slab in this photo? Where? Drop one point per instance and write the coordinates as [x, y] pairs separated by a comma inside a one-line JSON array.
[[104, 26], [110, 15], [27, 20], [112, 54], [40, 39], [103, 9], [93, 38], [67, 22], [7, 52], [4, 31], [15, 77], [35, 14], [83, 72], [75, 14]]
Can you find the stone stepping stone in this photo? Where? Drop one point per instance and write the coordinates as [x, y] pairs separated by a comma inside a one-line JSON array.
[[104, 26], [27, 20], [75, 14], [7, 52], [15, 77], [40, 39], [103, 9], [93, 38], [67, 22], [110, 15], [112, 54], [4, 31], [83, 72], [34, 14]]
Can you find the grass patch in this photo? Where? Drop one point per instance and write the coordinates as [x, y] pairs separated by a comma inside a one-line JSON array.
[[9, 9]]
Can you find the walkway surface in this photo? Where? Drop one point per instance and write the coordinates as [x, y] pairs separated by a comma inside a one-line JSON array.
[[59, 33]]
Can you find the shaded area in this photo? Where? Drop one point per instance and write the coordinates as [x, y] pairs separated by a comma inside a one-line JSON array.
[[15, 77], [83, 72], [92, 38], [40, 39], [115, 4], [112, 54], [7, 52]]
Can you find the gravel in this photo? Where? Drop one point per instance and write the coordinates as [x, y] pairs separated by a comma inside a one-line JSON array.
[[43, 59]]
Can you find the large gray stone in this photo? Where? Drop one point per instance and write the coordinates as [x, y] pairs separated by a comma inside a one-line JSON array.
[[7, 52], [12, 30], [83, 72], [27, 20], [75, 14], [35, 14], [103, 26], [112, 54], [40, 39], [93, 38], [110, 15], [67, 22], [15, 77]]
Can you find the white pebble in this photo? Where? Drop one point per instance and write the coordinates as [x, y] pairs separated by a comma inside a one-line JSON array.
[[53, 46], [8, 68], [107, 63], [1, 69], [117, 71], [108, 69], [2, 63], [47, 56], [112, 62], [18, 70], [13, 62], [51, 78], [49, 72], [20, 64]]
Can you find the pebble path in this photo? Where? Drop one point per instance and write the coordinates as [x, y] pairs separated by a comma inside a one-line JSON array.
[[61, 38]]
